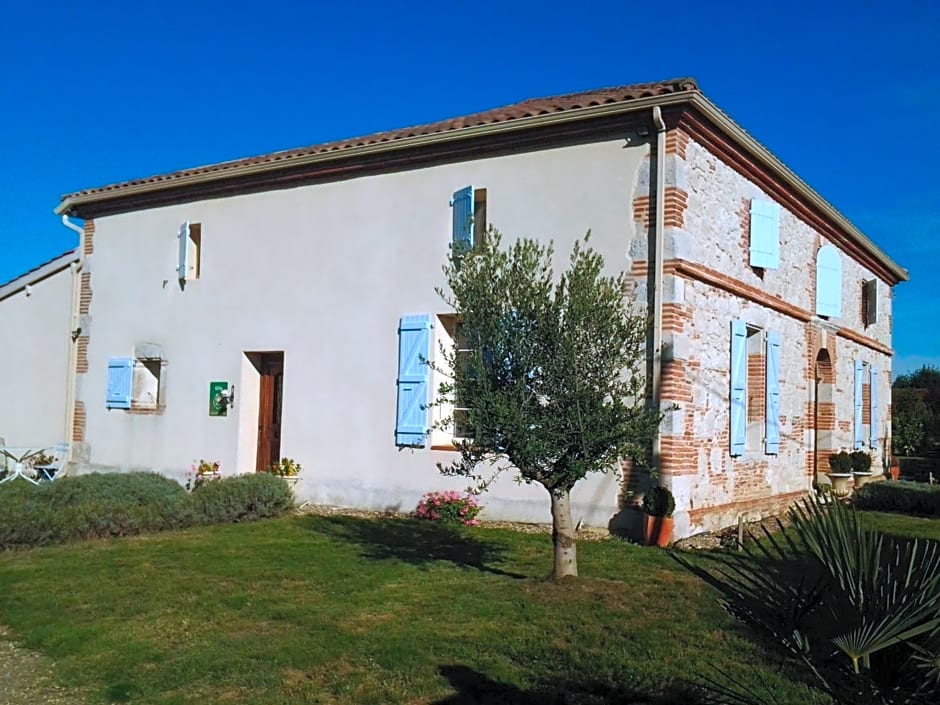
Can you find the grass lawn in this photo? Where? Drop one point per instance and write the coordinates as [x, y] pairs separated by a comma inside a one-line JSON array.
[[338, 610], [902, 525]]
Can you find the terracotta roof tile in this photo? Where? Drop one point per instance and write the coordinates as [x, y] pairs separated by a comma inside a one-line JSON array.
[[527, 108]]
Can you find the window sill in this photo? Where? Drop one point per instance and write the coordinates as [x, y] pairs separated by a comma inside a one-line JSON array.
[[145, 411], [445, 446]]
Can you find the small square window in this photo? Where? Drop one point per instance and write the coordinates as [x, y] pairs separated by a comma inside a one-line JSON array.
[[870, 302], [147, 390], [479, 216]]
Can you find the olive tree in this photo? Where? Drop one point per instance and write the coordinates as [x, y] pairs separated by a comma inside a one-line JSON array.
[[548, 372]]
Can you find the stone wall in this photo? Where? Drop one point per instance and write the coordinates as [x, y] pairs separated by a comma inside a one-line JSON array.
[[709, 283]]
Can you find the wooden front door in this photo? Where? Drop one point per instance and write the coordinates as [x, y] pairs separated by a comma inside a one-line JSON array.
[[269, 409]]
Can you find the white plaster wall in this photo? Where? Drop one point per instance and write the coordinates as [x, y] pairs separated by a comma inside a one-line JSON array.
[[34, 351], [323, 273]]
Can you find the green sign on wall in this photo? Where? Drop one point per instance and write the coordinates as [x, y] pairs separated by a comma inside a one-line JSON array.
[[217, 407]]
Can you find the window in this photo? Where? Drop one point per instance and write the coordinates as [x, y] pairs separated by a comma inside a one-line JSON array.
[[468, 218], [865, 422], [137, 383], [828, 282], [754, 389], [870, 302], [448, 338], [146, 387], [190, 247]]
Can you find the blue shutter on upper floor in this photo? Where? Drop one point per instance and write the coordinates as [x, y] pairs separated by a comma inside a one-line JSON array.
[[738, 425], [873, 398], [858, 406], [462, 236], [414, 350], [182, 267], [120, 382], [772, 408], [765, 234], [828, 282]]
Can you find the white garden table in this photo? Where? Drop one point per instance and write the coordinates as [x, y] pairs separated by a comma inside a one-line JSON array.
[[19, 456]]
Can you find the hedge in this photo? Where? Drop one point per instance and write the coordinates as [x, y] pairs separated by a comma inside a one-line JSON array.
[[904, 497], [127, 504], [242, 498]]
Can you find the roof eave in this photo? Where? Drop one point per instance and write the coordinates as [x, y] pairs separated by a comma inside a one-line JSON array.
[[696, 99], [35, 276], [733, 130], [73, 201]]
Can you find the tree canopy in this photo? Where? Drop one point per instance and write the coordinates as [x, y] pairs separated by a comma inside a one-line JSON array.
[[915, 407], [550, 370]]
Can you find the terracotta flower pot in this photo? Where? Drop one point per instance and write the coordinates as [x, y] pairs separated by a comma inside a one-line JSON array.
[[657, 531]]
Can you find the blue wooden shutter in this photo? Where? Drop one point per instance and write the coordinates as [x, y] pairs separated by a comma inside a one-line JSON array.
[[772, 408], [462, 204], [858, 405], [183, 266], [873, 397], [738, 429], [765, 234], [828, 282], [120, 382], [414, 350]]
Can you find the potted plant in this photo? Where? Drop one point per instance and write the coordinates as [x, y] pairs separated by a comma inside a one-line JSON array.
[[840, 466], [287, 469], [658, 506], [861, 467]]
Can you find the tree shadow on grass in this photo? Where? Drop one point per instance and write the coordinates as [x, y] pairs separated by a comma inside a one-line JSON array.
[[474, 688], [414, 542]]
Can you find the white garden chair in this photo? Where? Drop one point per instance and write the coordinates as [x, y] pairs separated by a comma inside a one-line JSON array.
[[50, 471]]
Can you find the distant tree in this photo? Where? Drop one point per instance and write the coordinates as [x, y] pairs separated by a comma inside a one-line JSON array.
[[916, 411], [550, 370]]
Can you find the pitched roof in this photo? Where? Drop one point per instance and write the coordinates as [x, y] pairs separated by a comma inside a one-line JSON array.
[[37, 273], [455, 136], [524, 109]]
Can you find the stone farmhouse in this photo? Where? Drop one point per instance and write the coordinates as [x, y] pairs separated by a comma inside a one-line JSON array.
[[282, 305]]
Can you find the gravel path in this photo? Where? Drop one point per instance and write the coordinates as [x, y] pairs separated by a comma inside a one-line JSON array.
[[26, 678]]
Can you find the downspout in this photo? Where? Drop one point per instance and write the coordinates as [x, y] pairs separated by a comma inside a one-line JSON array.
[[658, 238], [74, 329]]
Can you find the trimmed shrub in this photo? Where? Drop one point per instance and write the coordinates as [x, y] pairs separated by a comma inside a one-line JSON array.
[[127, 504], [91, 506], [242, 498], [449, 507], [920, 469], [840, 462], [860, 461], [904, 497]]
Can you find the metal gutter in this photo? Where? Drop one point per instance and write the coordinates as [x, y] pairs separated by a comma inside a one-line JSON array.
[[71, 372], [658, 259]]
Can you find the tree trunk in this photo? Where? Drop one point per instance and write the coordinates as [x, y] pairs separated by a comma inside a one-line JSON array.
[[563, 535]]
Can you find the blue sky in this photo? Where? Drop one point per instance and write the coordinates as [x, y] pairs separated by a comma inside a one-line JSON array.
[[846, 94]]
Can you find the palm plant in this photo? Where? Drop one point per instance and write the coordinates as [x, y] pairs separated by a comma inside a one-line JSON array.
[[860, 610]]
